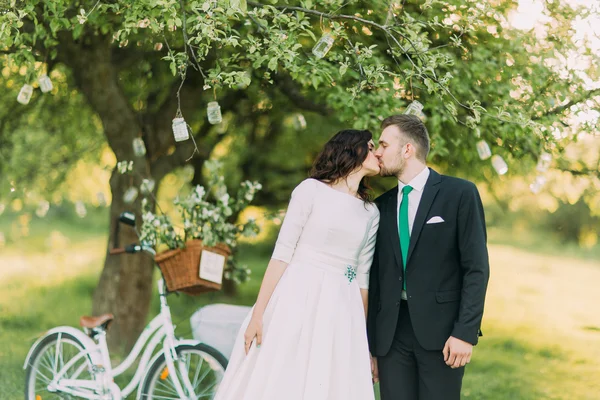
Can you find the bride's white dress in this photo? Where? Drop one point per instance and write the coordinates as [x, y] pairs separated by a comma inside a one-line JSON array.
[[314, 333]]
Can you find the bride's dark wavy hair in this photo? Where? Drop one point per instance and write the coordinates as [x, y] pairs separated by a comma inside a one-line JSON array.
[[342, 154]]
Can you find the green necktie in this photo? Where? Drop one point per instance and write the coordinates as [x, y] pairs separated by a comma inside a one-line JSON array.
[[403, 228]]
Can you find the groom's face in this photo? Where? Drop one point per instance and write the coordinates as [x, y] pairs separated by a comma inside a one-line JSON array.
[[391, 152]]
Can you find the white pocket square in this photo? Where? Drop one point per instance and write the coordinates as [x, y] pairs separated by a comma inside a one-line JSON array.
[[435, 220]]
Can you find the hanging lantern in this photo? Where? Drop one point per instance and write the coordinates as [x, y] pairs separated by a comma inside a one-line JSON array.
[[80, 209], [42, 209], [213, 110], [538, 184], [101, 199], [130, 195], [139, 148], [188, 173], [25, 94], [45, 84], [414, 108], [180, 130], [323, 46], [483, 149], [544, 162], [299, 122], [147, 186], [499, 164]]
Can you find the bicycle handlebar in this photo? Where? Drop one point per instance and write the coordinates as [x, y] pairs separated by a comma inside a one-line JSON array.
[[133, 248]]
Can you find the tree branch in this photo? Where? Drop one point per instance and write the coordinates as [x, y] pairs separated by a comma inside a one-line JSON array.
[[560, 109]]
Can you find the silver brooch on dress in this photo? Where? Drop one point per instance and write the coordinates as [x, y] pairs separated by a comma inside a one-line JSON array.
[[350, 273]]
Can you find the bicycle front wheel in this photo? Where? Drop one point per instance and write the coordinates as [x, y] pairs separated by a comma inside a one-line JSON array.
[[50, 357], [204, 366]]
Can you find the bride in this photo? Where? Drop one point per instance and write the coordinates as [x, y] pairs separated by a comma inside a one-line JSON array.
[[305, 338]]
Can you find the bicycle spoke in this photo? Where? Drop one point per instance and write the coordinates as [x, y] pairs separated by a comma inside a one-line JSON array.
[[206, 392], [197, 373], [206, 372], [57, 352]]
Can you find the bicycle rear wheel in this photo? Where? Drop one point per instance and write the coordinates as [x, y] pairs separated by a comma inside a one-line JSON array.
[[47, 359], [205, 368]]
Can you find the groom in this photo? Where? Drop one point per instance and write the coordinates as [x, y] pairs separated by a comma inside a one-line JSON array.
[[430, 271]]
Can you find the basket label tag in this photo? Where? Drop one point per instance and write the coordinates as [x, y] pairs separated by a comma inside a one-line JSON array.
[[212, 266]]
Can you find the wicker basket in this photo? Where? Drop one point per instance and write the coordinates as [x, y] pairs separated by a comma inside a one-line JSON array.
[[181, 267]]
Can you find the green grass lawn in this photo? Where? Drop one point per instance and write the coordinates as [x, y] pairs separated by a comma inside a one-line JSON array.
[[519, 357]]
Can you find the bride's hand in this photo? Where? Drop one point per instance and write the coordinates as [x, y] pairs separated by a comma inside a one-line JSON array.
[[254, 330]]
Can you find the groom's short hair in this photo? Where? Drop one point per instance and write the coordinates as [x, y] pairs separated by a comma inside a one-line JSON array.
[[414, 130]]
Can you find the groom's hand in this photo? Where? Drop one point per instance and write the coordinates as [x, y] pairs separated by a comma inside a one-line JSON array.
[[374, 369], [457, 353]]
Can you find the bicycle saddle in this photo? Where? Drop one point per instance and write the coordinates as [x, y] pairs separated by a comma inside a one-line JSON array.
[[94, 322]]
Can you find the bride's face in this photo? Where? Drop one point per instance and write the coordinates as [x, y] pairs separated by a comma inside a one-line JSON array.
[[371, 163]]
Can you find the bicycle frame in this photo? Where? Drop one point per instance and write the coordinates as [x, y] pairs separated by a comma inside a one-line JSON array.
[[160, 329]]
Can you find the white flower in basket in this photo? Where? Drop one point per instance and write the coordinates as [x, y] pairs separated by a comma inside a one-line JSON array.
[[205, 237]]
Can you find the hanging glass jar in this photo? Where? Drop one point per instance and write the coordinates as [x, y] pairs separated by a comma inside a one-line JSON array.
[[499, 164], [537, 184], [414, 108], [323, 45], [213, 110], [25, 94], [180, 130], [80, 209], [483, 149], [147, 186], [299, 122], [544, 162], [42, 208], [45, 84], [101, 199], [130, 195], [139, 148]]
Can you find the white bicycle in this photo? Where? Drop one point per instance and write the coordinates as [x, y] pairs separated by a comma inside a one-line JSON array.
[[67, 363]]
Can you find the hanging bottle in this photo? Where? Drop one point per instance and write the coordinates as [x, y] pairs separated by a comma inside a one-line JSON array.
[[25, 94], [147, 186], [130, 195], [414, 108], [139, 148], [180, 130], [483, 149], [45, 84], [299, 122], [80, 209], [323, 45], [499, 164], [537, 184], [544, 162], [213, 110]]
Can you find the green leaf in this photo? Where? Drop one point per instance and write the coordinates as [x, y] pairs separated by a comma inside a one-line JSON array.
[[343, 69], [273, 64]]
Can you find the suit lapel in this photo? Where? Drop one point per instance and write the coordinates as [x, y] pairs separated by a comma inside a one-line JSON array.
[[392, 211], [429, 192]]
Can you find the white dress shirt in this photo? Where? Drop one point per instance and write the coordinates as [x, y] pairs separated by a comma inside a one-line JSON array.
[[414, 197]]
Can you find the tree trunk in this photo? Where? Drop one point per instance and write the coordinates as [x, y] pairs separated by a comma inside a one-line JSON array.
[[125, 285]]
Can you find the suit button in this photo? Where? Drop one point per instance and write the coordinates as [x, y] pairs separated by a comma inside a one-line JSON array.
[[397, 304], [400, 279]]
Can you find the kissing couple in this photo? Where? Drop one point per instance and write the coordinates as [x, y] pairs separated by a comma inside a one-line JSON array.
[[360, 291]]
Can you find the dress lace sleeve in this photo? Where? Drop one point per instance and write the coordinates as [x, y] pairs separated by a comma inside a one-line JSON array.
[[298, 210], [365, 258]]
